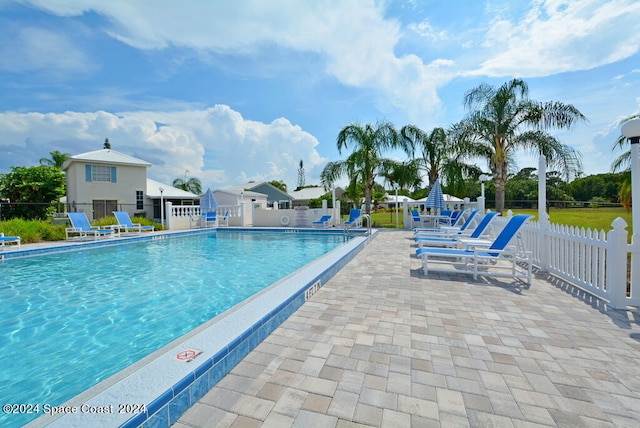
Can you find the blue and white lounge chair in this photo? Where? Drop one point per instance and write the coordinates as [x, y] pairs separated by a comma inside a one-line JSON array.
[[487, 260], [224, 220], [6, 240], [323, 222], [451, 220], [447, 230], [416, 220], [444, 240], [355, 219], [209, 219], [81, 227], [127, 226]]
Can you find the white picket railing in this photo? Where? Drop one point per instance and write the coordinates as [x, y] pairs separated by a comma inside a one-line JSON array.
[[598, 262], [180, 217]]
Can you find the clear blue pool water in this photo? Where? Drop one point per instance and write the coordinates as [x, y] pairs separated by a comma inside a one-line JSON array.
[[70, 320]]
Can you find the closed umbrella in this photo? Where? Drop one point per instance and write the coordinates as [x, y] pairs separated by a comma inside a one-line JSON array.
[[208, 201], [435, 200]]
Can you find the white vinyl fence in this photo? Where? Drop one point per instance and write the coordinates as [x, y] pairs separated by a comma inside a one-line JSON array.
[[601, 263]]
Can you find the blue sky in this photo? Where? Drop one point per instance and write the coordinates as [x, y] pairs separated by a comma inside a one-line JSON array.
[[235, 91]]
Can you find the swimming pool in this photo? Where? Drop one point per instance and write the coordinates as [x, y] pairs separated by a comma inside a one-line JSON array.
[[157, 290]]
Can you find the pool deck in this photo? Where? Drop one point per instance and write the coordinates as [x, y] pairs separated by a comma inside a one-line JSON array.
[[381, 345]]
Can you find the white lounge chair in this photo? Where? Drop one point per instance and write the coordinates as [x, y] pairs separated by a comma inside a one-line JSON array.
[[447, 230], [322, 223], [495, 259], [355, 219], [209, 219], [81, 227], [224, 220], [127, 226], [7, 240], [451, 240]]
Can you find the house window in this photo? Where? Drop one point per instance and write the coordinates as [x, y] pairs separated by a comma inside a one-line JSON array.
[[100, 173], [139, 200]]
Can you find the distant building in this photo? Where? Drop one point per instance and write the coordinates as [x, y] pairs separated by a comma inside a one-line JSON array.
[[303, 196], [276, 198]]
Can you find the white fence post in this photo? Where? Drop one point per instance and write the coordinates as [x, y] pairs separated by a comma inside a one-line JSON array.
[[168, 213], [544, 245], [616, 263]]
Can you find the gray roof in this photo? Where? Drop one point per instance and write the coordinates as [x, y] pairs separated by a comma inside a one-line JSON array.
[[106, 156], [313, 193], [240, 188], [168, 191]]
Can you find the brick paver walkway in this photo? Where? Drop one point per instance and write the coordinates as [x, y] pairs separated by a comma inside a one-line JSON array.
[[381, 345]]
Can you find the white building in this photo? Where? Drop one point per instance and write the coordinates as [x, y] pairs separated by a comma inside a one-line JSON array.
[[103, 181]]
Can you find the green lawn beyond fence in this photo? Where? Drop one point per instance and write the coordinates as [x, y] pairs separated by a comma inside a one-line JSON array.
[[589, 218]]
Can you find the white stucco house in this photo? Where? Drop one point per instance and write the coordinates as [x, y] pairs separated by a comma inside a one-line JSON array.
[[103, 181]]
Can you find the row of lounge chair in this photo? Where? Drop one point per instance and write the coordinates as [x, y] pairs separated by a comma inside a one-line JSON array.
[[354, 220], [472, 250], [82, 228]]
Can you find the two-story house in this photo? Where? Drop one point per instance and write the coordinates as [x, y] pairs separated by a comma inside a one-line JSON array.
[[103, 181]]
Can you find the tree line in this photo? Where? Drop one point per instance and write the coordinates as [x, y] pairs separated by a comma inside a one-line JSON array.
[[500, 122]]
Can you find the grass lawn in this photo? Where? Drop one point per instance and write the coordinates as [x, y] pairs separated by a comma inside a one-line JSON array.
[[589, 218]]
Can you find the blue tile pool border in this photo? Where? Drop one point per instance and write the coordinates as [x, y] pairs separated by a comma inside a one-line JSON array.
[[171, 401]]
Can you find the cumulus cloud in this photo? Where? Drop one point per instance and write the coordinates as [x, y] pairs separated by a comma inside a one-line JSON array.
[[33, 48], [428, 31], [216, 145], [352, 38], [557, 36]]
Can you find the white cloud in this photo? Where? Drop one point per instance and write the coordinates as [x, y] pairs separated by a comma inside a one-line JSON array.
[[557, 36], [216, 145], [33, 48], [428, 31], [352, 37]]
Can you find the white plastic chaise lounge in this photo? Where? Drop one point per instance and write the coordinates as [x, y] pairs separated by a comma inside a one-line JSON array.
[[209, 219], [416, 220], [127, 226], [497, 259], [447, 230], [81, 227], [323, 222], [477, 235], [6, 240], [355, 219], [224, 220]]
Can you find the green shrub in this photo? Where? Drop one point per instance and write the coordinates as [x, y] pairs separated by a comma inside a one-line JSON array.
[[32, 231]]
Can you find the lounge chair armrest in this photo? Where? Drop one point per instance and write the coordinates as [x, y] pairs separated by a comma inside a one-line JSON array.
[[472, 244], [480, 252]]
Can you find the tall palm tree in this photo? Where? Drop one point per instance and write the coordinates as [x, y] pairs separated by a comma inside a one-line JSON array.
[[366, 162], [504, 120], [438, 155], [57, 159], [192, 185]]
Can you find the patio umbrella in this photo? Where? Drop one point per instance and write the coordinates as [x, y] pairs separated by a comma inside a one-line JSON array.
[[208, 201], [435, 199]]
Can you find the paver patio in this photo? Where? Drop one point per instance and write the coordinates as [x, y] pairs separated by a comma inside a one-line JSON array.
[[382, 345]]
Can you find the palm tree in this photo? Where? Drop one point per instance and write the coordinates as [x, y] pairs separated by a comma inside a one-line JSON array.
[[504, 120], [623, 163], [192, 185], [57, 159], [365, 163], [439, 156]]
